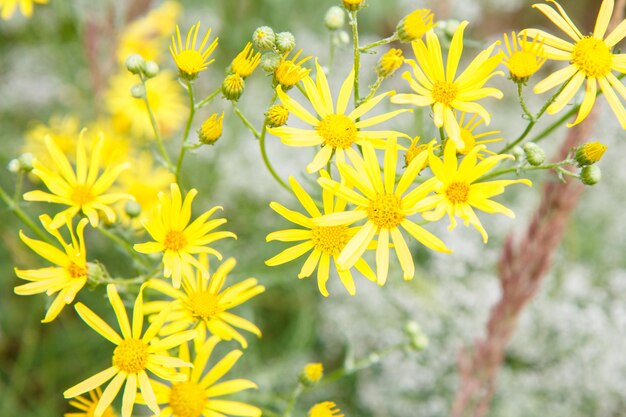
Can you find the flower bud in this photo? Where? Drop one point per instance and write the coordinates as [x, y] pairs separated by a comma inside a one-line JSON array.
[[270, 61], [518, 153], [263, 38], [134, 63], [312, 373], [589, 153], [353, 5], [211, 129], [450, 26], [389, 62], [14, 166], [285, 42], [417, 338], [335, 18], [138, 91], [414, 25], [150, 69], [233, 86], [23, 163], [132, 209], [590, 175], [342, 38], [534, 154], [276, 115]]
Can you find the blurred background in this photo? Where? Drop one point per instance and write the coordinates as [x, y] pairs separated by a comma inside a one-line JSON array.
[[57, 71]]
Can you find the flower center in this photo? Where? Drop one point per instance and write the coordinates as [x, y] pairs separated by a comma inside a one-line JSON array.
[[468, 140], [175, 240], [190, 61], [131, 356], [457, 192], [593, 57], [522, 64], [337, 130], [385, 211], [444, 92], [187, 399], [203, 305], [330, 239], [81, 195], [77, 271]]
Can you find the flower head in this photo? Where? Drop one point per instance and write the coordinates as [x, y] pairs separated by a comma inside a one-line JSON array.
[[189, 60], [415, 150], [245, 62], [277, 115], [290, 72], [8, 7], [470, 139], [176, 238], [233, 86], [590, 59], [523, 58], [325, 409], [389, 62], [83, 190], [353, 5], [442, 89], [335, 130], [133, 355], [67, 278], [211, 129], [589, 153], [313, 372], [414, 25], [88, 405], [326, 242]]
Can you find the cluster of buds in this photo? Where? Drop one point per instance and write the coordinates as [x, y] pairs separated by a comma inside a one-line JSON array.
[[23, 163], [586, 157], [241, 68], [135, 64]]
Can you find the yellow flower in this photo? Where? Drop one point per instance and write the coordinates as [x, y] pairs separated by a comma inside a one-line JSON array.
[[326, 241], [277, 115], [589, 57], [457, 189], [88, 405], [7, 7], [325, 409], [129, 115], [189, 60], [211, 129], [289, 72], [132, 356], [384, 205], [415, 150], [589, 153], [471, 140], [353, 5], [245, 62], [203, 304], [176, 238], [443, 89], [198, 395], [332, 128], [67, 278], [389, 63], [313, 372], [414, 25], [64, 131], [524, 58], [84, 191]]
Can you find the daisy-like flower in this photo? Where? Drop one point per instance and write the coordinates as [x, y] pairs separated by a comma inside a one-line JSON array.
[[384, 205], [83, 190], [132, 356], [176, 238], [335, 130], [523, 58], [87, 406], [198, 395], [471, 139], [326, 242], [67, 278], [414, 25], [289, 72], [189, 60], [325, 409], [457, 190], [245, 62], [590, 59], [203, 303], [416, 149], [8, 7], [442, 89]]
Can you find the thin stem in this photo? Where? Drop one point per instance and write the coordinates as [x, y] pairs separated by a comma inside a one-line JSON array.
[[126, 245], [331, 57], [183, 147], [293, 398], [373, 89], [18, 187], [385, 41], [25, 218], [522, 102], [155, 126], [245, 121], [266, 159], [442, 135], [208, 99], [357, 54], [555, 125], [371, 359], [556, 165]]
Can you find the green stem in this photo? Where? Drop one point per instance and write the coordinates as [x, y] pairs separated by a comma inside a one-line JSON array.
[[292, 399], [126, 245], [556, 165], [266, 159], [208, 99], [385, 41], [183, 147], [373, 89], [331, 58], [155, 126], [18, 187], [442, 136], [25, 218], [357, 54], [371, 359], [245, 121], [555, 125], [522, 102]]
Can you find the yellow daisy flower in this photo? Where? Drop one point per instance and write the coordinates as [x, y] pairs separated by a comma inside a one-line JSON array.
[[67, 278], [332, 128], [415, 149], [471, 139], [87, 406], [8, 7], [246, 61], [83, 190], [189, 60], [414, 25], [325, 409], [457, 189], [589, 57], [132, 356], [326, 242], [198, 395], [384, 205], [176, 238], [289, 72], [443, 89], [523, 58], [203, 304]]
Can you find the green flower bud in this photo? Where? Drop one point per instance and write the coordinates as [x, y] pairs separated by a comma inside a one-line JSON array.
[[263, 38], [417, 338], [335, 18], [23, 163], [138, 91], [590, 175], [518, 153], [534, 154], [14, 166], [150, 69], [270, 61], [233, 86], [134, 63], [276, 115], [341, 38], [132, 209], [285, 42]]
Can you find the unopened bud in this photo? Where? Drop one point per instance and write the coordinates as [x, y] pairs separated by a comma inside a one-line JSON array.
[[134, 63], [14, 166], [276, 115], [312, 373], [589, 153], [417, 338], [211, 129], [342, 38], [138, 91], [335, 18], [150, 69], [389, 62], [414, 25], [23, 163], [270, 61], [233, 86], [590, 175], [285, 42], [518, 153], [264, 38], [534, 154], [132, 209]]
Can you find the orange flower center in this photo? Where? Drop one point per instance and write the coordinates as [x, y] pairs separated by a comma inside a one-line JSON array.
[[385, 211], [77, 271], [175, 240], [458, 192], [131, 356]]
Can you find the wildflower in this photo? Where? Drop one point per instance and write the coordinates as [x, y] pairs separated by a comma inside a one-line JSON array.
[[132, 356], [325, 409], [590, 58], [290, 72], [198, 395], [64, 131], [150, 70], [203, 304], [176, 238], [245, 62], [442, 89], [211, 129], [67, 278], [415, 150], [270, 61], [134, 63], [389, 63], [385, 206], [471, 139], [189, 60], [523, 58], [534, 154], [285, 42], [326, 241], [313, 372], [353, 5], [332, 128], [83, 191], [590, 175], [88, 405], [589, 153], [457, 189], [7, 7], [277, 115], [414, 25], [233, 86], [264, 38]]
